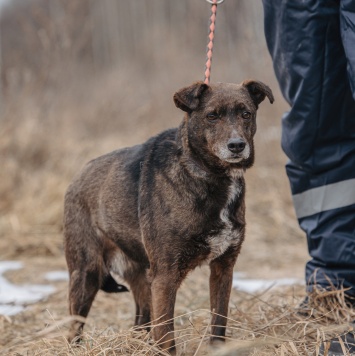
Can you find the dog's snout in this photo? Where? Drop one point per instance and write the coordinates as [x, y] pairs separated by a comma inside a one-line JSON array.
[[236, 145]]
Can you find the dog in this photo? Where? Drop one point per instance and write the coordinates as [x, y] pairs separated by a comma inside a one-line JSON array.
[[147, 215]]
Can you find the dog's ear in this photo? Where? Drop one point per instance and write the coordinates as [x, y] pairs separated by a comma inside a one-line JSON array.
[[187, 99], [258, 91]]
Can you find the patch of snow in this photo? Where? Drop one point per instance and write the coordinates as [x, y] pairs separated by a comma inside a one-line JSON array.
[[57, 276], [9, 265], [6, 309], [256, 285], [14, 297]]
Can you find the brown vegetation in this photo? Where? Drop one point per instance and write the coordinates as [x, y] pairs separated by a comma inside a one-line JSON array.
[[71, 75]]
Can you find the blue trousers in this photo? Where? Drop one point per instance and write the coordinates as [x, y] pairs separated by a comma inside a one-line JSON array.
[[312, 45]]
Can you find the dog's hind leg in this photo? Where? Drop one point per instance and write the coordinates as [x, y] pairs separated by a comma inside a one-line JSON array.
[[133, 272], [85, 264], [84, 284], [141, 290]]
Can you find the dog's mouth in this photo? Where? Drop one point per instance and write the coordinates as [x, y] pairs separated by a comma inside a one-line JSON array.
[[234, 158]]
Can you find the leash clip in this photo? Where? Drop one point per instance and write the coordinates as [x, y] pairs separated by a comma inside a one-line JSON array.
[[215, 2]]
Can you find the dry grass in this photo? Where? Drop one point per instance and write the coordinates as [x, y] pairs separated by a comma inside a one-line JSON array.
[[266, 324]]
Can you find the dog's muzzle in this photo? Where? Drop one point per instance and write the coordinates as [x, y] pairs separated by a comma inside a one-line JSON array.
[[234, 151]]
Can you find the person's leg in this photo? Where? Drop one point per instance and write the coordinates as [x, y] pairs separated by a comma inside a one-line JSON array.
[[347, 26], [318, 133]]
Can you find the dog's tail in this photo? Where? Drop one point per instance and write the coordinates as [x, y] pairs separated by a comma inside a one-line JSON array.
[[109, 285]]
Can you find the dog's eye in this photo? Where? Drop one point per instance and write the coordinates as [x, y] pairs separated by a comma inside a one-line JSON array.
[[212, 116], [246, 115]]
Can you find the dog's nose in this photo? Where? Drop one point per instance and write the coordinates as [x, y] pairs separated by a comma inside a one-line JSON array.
[[236, 145]]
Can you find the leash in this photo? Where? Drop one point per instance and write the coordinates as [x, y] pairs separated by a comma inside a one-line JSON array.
[[211, 38]]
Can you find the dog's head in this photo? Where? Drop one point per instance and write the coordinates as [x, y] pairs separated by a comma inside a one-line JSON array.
[[221, 120]]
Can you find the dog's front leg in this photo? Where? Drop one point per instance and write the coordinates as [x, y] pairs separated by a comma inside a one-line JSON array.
[[164, 288], [220, 288]]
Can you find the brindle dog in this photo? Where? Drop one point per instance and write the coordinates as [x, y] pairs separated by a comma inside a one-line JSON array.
[[149, 214]]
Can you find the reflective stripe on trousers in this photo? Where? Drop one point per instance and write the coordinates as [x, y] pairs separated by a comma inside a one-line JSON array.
[[324, 198]]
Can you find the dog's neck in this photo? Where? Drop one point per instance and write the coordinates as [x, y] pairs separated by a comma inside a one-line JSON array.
[[195, 166]]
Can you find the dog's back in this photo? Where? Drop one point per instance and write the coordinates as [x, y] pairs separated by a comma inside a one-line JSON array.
[[91, 206], [103, 201]]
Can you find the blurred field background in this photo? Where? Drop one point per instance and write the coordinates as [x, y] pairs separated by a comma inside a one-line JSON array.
[[80, 78]]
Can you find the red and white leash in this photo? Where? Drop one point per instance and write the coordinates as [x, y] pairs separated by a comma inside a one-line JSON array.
[[211, 38]]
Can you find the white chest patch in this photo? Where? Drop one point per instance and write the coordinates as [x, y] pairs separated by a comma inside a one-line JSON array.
[[229, 236]]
